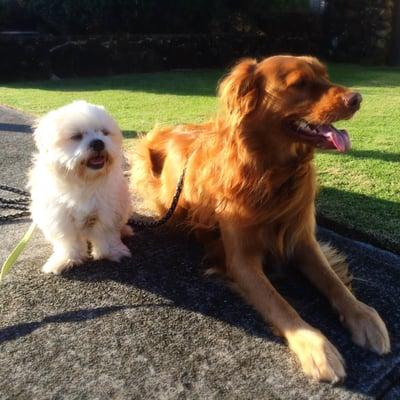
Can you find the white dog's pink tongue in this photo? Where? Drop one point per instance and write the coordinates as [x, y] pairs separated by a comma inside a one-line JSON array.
[[97, 160], [338, 138]]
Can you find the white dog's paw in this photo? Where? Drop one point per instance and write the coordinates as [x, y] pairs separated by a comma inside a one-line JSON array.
[[119, 252], [98, 253], [367, 328], [126, 231], [57, 264]]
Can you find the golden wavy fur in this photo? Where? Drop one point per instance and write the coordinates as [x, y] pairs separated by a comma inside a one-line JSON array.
[[251, 177]]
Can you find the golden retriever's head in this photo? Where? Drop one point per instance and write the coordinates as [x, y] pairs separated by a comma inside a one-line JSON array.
[[291, 96]]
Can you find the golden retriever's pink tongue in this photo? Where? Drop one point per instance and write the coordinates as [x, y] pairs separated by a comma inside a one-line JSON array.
[[339, 139]]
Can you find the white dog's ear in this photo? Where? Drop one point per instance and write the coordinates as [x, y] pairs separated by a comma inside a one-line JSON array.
[[42, 134], [38, 137]]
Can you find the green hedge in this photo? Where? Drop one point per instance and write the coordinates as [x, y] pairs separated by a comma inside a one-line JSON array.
[[141, 16]]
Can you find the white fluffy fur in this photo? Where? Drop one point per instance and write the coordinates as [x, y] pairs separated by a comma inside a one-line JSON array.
[[71, 203]]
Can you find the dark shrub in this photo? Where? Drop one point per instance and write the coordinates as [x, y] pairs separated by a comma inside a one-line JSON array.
[[141, 16]]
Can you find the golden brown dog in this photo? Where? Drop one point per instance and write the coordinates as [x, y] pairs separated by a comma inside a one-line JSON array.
[[250, 174]]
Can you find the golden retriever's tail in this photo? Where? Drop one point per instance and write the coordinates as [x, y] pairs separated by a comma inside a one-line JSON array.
[[338, 262], [144, 182]]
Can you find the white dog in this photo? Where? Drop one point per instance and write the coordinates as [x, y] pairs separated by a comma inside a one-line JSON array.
[[78, 189]]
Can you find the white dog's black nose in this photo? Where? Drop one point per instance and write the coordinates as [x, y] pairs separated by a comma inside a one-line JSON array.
[[97, 145]]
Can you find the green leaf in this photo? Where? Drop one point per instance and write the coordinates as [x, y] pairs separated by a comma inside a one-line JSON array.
[[16, 252]]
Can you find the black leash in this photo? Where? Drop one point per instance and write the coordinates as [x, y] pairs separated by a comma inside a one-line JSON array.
[[21, 204], [167, 216]]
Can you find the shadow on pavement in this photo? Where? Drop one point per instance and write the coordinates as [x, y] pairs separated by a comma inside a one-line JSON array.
[[171, 265], [19, 330], [21, 128], [167, 264]]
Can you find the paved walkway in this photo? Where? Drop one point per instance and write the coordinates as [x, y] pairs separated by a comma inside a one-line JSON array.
[[155, 328]]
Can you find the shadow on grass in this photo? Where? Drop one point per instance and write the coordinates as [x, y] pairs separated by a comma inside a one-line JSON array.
[[132, 134], [201, 82], [374, 154], [187, 83], [365, 76], [361, 217]]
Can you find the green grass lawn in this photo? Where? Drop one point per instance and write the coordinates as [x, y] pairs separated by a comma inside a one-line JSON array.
[[359, 190]]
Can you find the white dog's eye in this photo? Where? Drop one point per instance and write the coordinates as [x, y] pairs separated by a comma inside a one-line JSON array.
[[77, 136], [105, 132]]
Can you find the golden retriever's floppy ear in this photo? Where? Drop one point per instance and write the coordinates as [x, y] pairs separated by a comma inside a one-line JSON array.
[[316, 63], [239, 91]]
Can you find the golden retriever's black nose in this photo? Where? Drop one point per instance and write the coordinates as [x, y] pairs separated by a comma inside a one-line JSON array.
[[97, 145], [352, 100]]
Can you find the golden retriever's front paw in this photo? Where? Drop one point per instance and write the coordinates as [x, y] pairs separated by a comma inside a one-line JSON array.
[[319, 359], [367, 328]]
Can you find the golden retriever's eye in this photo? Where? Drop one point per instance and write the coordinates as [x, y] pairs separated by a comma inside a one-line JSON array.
[[77, 136], [105, 132], [300, 84]]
